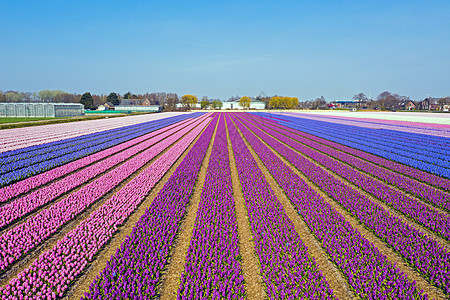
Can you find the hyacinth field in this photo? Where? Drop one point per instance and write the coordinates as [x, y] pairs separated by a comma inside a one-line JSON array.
[[234, 205]]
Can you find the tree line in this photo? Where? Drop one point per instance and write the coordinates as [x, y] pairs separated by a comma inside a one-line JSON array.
[[168, 101]]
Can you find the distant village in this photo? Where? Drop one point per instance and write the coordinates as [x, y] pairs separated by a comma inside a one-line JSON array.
[[54, 103]]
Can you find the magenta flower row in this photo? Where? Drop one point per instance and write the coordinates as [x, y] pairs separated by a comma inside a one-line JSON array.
[[136, 268], [288, 270]]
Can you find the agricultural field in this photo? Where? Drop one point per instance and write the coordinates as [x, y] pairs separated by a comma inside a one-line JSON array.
[[232, 205]]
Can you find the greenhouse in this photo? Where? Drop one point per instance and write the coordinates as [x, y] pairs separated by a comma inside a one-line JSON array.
[[41, 109]]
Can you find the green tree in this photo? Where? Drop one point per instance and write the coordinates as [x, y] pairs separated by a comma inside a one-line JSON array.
[[87, 100], [245, 102], [13, 96], [127, 95], [204, 104], [275, 102], [113, 98], [217, 104], [189, 100]]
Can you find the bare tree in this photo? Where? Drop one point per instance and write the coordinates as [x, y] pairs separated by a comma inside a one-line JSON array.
[[361, 97]]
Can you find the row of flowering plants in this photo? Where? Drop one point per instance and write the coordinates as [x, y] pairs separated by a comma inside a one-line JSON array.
[[212, 263], [365, 129], [51, 274], [407, 155], [414, 130], [31, 166], [57, 148], [26, 138], [430, 194], [136, 268], [22, 206], [25, 236], [353, 254], [288, 270], [422, 252], [438, 146], [13, 190], [436, 221], [407, 171]]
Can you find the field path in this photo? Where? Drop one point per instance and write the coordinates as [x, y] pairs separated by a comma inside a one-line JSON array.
[[254, 284]]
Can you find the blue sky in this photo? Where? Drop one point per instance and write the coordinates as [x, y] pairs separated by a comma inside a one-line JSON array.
[[220, 49]]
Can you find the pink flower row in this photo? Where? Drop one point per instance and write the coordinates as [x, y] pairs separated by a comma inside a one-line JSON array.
[[22, 238], [53, 271], [24, 186], [28, 203], [11, 139]]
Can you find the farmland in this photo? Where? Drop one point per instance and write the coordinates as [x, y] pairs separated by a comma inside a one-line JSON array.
[[231, 205]]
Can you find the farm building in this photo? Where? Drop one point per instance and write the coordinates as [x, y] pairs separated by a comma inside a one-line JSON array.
[[138, 108], [106, 106], [345, 103], [41, 109], [231, 105], [236, 105]]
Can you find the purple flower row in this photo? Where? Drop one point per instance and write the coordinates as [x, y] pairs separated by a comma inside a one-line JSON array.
[[26, 204], [408, 155], [289, 272], [137, 266], [369, 273], [355, 158], [428, 216], [438, 145], [407, 171], [423, 253], [51, 274], [431, 129], [212, 266], [20, 239]]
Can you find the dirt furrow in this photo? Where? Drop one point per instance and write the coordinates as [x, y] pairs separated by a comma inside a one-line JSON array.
[[171, 278], [254, 285]]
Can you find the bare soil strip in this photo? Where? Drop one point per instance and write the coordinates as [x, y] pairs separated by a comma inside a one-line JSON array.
[[171, 278], [254, 285], [82, 284], [49, 243], [391, 255], [329, 270]]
